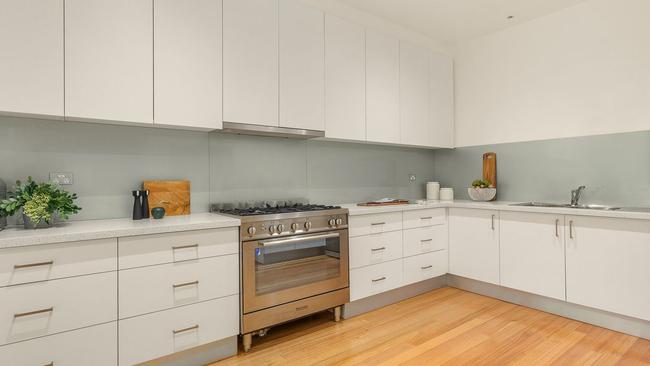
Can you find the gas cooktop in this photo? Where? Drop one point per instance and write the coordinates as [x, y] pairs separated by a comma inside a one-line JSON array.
[[272, 210]]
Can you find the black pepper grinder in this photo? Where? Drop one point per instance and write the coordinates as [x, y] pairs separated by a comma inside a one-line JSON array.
[[145, 203], [137, 205]]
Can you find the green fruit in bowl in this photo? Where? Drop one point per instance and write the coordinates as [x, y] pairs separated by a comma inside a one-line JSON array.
[[481, 183]]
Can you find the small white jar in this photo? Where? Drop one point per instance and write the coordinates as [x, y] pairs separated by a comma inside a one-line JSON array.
[[433, 191], [446, 194]]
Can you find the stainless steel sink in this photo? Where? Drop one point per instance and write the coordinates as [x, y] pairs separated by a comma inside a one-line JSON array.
[[566, 205]]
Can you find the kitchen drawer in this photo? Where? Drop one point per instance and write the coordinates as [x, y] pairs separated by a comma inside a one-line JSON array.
[[424, 266], [375, 223], [146, 250], [375, 248], [147, 289], [162, 333], [96, 346], [375, 279], [49, 262], [425, 239], [57, 306], [426, 217]]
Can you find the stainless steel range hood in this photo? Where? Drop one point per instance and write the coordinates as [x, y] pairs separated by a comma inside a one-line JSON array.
[[258, 130]]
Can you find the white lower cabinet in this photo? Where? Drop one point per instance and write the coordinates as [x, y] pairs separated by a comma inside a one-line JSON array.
[[607, 264], [424, 240], [96, 346], [162, 333], [375, 279], [532, 253], [376, 248], [424, 266], [474, 244]]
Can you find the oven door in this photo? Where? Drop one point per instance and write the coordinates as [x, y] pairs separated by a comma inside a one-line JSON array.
[[281, 270]]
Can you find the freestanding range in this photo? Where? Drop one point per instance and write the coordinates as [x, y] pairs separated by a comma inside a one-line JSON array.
[[294, 262]]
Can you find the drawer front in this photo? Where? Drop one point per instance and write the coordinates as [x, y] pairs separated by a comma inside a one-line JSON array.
[[425, 239], [424, 266], [42, 308], [96, 346], [375, 223], [375, 279], [49, 262], [427, 217], [146, 250], [375, 248], [147, 289], [162, 333]]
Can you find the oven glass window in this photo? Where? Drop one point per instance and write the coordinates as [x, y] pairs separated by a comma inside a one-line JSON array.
[[283, 265]]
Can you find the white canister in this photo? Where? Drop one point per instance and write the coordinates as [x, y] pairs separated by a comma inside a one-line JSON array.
[[446, 194], [433, 191]]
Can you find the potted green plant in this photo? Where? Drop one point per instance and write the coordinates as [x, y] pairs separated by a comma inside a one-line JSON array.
[[40, 203], [482, 190]]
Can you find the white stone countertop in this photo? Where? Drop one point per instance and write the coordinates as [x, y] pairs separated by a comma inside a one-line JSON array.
[[101, 229], [626, 213]]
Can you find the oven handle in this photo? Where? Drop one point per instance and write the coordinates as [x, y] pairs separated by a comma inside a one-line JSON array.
[[274, 242]]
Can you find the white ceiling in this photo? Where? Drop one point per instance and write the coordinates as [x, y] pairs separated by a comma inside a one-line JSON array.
[[453, 21]]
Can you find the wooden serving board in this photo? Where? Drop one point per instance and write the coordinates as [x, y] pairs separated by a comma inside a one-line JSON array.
[[172, 195], [490, 168], [391, 203]]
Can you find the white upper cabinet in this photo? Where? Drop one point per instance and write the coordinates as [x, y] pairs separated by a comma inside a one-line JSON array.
[[302, 66], [345, 79], [474, 244], [607, 264], [31, 65], [532, 253], [250, 61], [187, 63], [441, 94], [414, 65], [109, 60], [382, 88]]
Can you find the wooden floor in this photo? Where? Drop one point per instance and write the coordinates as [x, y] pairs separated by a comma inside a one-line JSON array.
[[444, 327]]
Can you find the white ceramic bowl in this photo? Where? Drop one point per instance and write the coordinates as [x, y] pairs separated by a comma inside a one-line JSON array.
[[482, 194]]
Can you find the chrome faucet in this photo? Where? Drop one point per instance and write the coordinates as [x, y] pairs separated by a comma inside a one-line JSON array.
[[575, 195]]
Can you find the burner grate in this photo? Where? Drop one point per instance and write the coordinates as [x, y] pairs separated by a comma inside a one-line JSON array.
[[269, 210]]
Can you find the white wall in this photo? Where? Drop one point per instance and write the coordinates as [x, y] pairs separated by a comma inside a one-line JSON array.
[[582, 71]]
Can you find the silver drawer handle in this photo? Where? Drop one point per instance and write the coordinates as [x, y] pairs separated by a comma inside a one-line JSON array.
[[426, 267], [377, 223], [426, 218], [186, 284], [177, 331], [35, 312], [39, 264], [186, 246], [425, 240], [379, 279], [377, 249]]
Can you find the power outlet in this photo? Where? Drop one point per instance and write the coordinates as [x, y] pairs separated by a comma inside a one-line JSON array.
[[412, 177], [63, 179]]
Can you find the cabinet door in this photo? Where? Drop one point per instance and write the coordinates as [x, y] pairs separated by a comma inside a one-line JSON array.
[[441, 94], [345, 79], [187, 63], [607, 264], [532, 253], [31, 65], [474, 244], [109, 60], [414, 94], [250, 61], [302, 66], [382, 88]]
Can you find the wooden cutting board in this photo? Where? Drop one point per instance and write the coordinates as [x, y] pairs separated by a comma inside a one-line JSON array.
[[172, 195], [490, 168]]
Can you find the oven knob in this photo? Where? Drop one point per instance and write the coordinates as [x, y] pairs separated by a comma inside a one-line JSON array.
[[280, 228], [332, 222], [339, 222], [294, 227], [307, 225], [271, 229], [251, 230]]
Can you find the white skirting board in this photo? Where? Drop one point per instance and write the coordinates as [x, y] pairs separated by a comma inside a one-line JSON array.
[[198, 356], [619, 323]]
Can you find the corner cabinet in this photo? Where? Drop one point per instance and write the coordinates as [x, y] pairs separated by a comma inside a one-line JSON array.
[[607, 264], [109, 60], [441, 104], [415, 126], [187, 63], [31, 66], [532, 253], [474, 244]]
